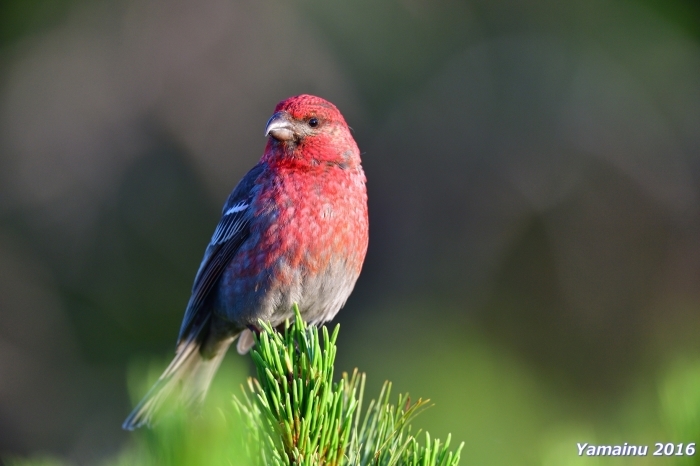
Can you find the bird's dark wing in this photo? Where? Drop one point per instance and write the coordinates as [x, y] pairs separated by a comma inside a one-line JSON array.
[[233, 229]]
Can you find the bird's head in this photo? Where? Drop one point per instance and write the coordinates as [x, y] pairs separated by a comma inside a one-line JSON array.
[[309, 129]]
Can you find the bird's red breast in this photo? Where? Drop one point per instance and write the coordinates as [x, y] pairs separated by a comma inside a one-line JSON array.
[[314, 207]]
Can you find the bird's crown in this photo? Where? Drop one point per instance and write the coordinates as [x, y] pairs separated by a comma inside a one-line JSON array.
[[304, 106]]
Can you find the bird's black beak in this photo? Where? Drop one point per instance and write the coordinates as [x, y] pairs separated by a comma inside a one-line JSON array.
[[280, 127]]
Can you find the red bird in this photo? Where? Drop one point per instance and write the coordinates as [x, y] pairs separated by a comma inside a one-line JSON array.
[[294, 230]]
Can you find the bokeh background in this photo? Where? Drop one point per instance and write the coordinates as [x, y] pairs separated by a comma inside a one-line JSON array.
[[534, 185]]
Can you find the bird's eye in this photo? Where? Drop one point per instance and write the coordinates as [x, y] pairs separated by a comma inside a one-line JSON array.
[[313, 122]]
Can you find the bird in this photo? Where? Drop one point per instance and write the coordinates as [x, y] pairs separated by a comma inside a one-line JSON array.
[[294, 230]]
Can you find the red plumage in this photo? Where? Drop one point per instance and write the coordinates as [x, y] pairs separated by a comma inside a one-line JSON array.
[[293, 231]]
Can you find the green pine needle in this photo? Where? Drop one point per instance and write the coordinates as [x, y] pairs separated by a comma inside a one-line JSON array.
[[296, 415]]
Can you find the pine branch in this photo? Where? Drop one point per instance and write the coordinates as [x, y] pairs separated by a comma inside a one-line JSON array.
[[296, 415]]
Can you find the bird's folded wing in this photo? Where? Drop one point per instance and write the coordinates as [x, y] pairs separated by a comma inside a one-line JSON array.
[[233, 229]]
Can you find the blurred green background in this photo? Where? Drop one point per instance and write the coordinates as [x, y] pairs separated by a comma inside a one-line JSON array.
[[534, 185]]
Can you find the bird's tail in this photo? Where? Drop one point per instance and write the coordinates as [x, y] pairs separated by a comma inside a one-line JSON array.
[[185, 382]]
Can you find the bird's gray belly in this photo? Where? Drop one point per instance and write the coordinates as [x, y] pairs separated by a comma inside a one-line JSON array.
[[244, 301]]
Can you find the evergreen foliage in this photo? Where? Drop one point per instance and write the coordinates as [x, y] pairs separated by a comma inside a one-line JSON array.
[[292, 414], [297, 415]]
